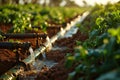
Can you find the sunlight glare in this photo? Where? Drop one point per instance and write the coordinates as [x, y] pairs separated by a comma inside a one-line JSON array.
[[92, 2]]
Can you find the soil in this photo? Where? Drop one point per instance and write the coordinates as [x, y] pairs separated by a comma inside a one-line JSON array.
[[5, 27], [8, 57], [53, 30], [59, 71], [7, 60]]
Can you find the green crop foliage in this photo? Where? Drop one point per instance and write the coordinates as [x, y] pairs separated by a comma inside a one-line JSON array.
[[100, 53], [23, 17]]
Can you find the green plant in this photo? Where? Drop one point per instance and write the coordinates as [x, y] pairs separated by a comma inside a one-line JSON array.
[[100, 53], [22, 17]]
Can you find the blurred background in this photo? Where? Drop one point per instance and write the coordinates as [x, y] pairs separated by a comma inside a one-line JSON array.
[[58, 2]]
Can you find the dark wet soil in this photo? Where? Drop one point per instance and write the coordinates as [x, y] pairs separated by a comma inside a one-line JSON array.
[[8, 57], [59, 71]]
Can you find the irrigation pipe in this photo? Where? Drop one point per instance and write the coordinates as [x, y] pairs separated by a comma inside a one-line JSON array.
[[13, 72]]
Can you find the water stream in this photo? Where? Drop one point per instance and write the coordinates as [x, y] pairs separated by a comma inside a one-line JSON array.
[[69, 33], [39, 63], [32, 54], [55, 47], [49, 44], [44, 56]]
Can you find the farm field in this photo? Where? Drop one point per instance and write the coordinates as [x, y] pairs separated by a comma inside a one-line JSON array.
[[38, 42]]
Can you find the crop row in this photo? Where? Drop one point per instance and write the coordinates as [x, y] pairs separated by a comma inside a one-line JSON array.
[[23, 17], [100, 53]]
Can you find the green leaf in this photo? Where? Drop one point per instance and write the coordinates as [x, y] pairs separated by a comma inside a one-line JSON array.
[[113, 75], [77, 56], [93, 33], [71, 75], [79, 68], [112, 31], [99, 21], [69, 61]]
